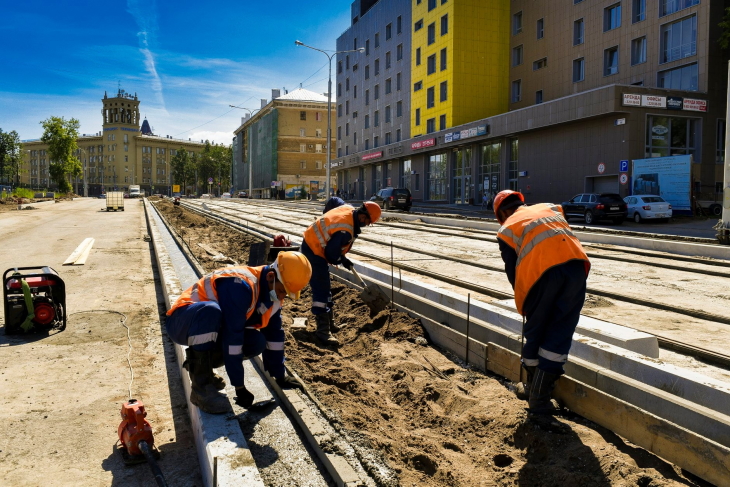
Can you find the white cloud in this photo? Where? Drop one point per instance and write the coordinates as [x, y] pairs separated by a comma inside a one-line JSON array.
[[145, 14]]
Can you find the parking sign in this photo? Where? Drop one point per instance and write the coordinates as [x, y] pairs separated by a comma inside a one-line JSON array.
[[624, 166]]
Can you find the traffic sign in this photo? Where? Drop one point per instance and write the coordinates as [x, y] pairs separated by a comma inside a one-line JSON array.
[[623, 179], [601, 168], [210, 180], [624, 166]]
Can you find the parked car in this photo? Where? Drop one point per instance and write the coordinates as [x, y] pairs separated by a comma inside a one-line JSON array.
[[592, 207], [243, 194], [206, 196], [648, 207], [393, 198], [102, 196], [226, 195]]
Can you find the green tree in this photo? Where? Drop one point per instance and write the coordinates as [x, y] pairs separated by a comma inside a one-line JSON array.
[[724, 39], [215, 162], [10, 156], [181, 168], [61, 135]]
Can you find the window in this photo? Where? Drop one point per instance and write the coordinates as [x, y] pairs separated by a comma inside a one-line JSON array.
[[720, 144], [610, 61], [367, 121], [376, 92], [318, 164], [443, 59], [376, 142], [442, 122], [399, 25], [667, 7], [418, 85], [318, 149], [445, 24], [399, 109], [367, 47], [430, 97], [397, 135], [302, 147], [339, 110], [388, 86], [578, 27], [388, 31], [377, 40], [339, 89], [354, 91], [347, 84], [678, 39], [367, 144], [681, 78], [538, 97], [302, 133], [444, 92], [347, 129], [418, 116], [354, 43], [431, 5], [418, 25], [431, 33], [387, 139], [540, 28], [376, 119], [516, 23], [398, 81], [578, 70], [399, 52], [367, 97], [638, 51], [638, 11], [377, 67], [318, 133], [431, 64], [418, 56], [387, 114], [367, 71], [347, 107], [430, 125], [539, 64], [302, 115], [387, 60], [354, 67], [516, 91], [670, 136], [354, 138], [612, 17], [302, 164], [517, 55]]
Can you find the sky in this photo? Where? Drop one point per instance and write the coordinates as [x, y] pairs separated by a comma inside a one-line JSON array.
[[186, 61]]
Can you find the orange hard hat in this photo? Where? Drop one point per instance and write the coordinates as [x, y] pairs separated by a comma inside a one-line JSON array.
[[503, 195], [294, 271], [373, 211]]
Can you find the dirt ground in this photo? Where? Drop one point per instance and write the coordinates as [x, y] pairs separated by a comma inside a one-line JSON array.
[[432, 421]]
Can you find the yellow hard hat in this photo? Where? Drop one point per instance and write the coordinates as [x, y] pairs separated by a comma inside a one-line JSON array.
[[294, 272]]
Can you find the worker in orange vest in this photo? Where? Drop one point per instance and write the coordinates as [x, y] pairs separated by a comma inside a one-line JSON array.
[[233, 314], [547, 267], [326, 241]]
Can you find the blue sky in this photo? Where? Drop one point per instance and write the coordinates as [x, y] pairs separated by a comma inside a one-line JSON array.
[[186, 61]]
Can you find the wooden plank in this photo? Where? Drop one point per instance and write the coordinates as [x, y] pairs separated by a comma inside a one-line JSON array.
[[85, 254], [79, 250], [503, 362]]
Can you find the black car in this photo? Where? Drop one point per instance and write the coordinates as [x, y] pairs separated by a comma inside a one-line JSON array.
[[592, 207], [393, 198]]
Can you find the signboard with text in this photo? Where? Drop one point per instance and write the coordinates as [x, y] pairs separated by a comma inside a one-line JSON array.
[[694, 105], [372, 155], [422, 144], [666, 102], [653, 101]]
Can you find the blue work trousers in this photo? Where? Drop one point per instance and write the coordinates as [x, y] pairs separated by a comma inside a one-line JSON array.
[[320, 282], [552, 309]]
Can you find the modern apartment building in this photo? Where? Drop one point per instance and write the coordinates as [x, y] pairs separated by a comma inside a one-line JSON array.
[[120, 154], [592, 86], [282, 147]]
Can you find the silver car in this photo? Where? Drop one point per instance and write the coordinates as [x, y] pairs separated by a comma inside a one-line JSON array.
[[648, 207]]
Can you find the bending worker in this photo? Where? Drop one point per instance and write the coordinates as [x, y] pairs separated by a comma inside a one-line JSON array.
[[547, 267], [233, 314], [326, 241]]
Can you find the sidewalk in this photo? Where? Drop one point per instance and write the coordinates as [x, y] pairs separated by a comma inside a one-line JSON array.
[[62, 393]]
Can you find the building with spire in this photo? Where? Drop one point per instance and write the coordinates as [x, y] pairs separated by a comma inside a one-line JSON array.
[[119, 155]]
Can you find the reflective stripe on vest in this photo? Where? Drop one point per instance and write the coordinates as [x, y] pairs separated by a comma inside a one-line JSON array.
[[319, 233], [204, 289], [542, 239]]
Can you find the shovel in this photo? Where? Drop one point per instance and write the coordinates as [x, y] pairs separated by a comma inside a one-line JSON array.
[[372, 295]]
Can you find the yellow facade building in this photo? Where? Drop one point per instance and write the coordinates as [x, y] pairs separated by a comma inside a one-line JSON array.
[[459, 55], [123, 153]]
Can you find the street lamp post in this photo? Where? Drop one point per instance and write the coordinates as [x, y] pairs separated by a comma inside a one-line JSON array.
[[250, 163], [329, 107]]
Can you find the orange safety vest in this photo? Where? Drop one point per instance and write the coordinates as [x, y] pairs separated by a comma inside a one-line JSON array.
[[542, 239], [320, 232], [204, 290]]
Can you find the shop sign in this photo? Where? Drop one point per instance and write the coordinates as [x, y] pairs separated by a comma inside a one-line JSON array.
[[632, 100], [422, 144], [482, 130], [372, 155], [653, 101], [465, 134], [695, 105], [674, 103], [452, 137]]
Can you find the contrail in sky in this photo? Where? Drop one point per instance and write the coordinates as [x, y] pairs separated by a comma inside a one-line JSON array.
[[145, 14]]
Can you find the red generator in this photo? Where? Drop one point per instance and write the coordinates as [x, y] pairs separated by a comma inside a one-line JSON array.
[[34, 300]]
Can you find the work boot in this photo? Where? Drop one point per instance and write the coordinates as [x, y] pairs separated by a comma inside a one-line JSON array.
[[204, 393], [522, 390], [218, 382], [323, 330], [540, 402], [334, 327]]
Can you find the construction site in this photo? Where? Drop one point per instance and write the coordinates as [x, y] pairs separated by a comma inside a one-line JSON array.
[[421, 393]]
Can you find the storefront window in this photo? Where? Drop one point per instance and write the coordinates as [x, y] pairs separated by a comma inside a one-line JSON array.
[[671, 136], [405, 175], [462, 176], [437, 177], [512, 171], [489, 169], [378, 182]]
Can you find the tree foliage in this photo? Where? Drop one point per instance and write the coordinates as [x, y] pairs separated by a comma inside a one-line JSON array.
[[182, 168], [10, 155], [215, 162], [724, 39], [61, 135]]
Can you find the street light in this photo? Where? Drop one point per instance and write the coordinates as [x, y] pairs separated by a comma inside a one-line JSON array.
[[250, 163], [329, 107]]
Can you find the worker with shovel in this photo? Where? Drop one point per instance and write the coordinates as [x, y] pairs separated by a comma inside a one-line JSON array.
[[326, 241], [233, 314], [547, 267]]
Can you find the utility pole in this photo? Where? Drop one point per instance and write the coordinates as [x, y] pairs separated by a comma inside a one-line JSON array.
[[723, 226]]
